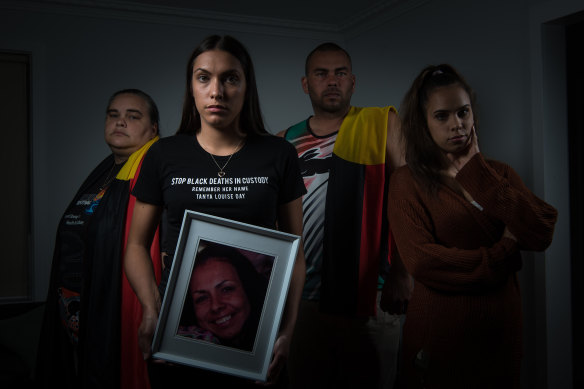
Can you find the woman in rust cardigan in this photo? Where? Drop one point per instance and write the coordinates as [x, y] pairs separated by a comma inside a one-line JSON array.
[[460, 221]]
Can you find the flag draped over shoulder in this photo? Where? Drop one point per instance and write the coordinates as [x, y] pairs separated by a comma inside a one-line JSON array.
[[356, 234], [108, 354]]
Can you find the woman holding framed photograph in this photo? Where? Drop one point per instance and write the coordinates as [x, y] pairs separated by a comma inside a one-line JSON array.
[[224, 163]]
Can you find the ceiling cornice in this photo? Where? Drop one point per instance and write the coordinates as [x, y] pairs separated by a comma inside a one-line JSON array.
[[377, 15], [367, 19], [176, 16]]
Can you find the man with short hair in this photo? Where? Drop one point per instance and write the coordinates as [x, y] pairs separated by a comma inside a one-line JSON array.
[[346, 154]]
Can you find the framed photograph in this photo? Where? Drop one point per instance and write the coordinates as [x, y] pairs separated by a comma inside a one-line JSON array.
[[225, 296]]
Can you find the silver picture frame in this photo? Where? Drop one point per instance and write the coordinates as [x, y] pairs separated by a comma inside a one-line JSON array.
[[200, 230]]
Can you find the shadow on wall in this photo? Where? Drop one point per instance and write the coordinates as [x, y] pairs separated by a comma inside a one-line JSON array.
[[19, 335]]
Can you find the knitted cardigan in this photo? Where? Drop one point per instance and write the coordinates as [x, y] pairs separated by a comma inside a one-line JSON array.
[[463, 324]]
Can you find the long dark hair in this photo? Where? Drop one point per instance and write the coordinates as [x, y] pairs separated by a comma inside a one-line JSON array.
[[254, 284], [250, 121], [423, 156]]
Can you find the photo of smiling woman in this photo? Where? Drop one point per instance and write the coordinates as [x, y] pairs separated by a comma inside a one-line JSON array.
[[225, 298]]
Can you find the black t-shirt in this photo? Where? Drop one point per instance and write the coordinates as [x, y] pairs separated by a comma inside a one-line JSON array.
[[179, 175]]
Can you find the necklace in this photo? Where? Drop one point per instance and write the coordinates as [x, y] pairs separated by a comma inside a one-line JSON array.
[[221, 172], [108, 180]]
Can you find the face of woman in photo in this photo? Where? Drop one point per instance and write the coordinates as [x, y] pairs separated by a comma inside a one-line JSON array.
[[127, 125], [450, 118], [219, 300], [218, 88]]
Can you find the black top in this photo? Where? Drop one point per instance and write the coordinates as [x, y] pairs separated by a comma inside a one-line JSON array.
[[180, 175]]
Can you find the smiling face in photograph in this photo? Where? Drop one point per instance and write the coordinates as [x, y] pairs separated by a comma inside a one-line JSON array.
[[218, 89], [128, 126], [450, 118], [219, 299]]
